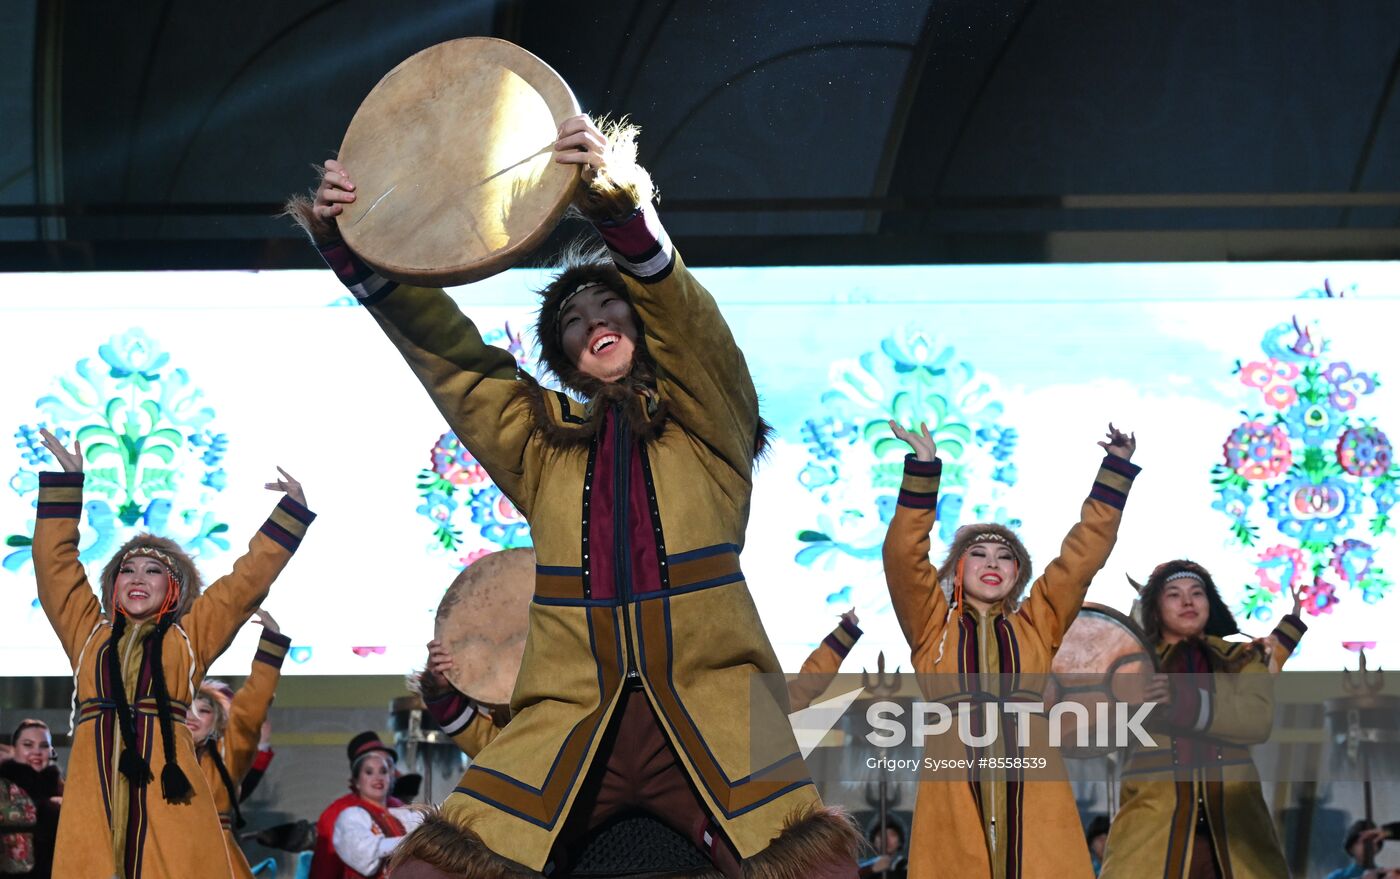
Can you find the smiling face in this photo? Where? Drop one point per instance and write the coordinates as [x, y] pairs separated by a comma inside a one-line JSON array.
[[1184, 608], [200, 720], [989, 573], [598, 331], [34, 747], [373, 778], [141, 587]]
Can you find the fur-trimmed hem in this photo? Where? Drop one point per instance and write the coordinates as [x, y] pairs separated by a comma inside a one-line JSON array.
[[818, 841], [439, 849]]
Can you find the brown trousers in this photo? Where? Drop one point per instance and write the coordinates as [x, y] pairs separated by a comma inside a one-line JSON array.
[[637, 769], [1203, 864], [643, 772]]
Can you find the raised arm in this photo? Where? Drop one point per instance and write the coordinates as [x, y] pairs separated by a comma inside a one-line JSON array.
[[64, 591], [822, 665], [470, 725], [252, 701], [918, 599], [702, 374], [473, 385], [1058, 594], [215, 617], [1230, 707], [1283, 640]]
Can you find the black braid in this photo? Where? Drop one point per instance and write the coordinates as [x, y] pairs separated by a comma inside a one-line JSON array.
[[174, 786], [131, 763], [228, 782]]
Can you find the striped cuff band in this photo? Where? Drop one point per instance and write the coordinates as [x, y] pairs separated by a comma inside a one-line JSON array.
[[639, 245], [287, 524], [272, 648], [843, 638], [1290, 631], [919, 489], [361, 280], [60, 495], [1115, 478], [452, 711]]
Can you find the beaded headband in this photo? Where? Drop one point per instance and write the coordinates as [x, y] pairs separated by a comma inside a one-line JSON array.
[[152, 552], [990, 537], [564, 303], [1186, 575]]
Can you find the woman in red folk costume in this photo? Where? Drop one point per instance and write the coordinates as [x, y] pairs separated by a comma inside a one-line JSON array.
[[357, 833], [643, 637], [138, 655]]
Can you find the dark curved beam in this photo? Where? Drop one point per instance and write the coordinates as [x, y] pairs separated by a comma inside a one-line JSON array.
[[142, 90], [1369, 144], [987, 76], [903, 109], [661, 18], [228, 85], [610, 83], [758, 67]]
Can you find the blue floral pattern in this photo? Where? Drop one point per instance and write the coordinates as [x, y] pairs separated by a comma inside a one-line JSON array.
[[152, 461]]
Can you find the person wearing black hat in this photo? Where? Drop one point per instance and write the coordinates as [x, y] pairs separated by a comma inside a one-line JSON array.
[[356, 834], [1192, 806], [1363, 841]]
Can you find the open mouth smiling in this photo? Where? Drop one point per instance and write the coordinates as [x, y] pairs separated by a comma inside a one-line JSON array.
[[603, 342]]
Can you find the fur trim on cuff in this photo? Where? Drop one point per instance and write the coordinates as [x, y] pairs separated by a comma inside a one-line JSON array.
[[622, 185], [439, 849], [820, 841]]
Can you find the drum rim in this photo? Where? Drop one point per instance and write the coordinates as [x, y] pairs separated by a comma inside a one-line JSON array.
[[454, 678], [559, 98]]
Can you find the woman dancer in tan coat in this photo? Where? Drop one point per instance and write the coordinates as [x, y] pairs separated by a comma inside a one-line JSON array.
[[1004, 826], [136, 805]]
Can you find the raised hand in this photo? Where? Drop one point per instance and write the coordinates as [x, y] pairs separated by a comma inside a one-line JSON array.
[[267, 621], [1157, 690], [1297, 592], [440, 660], [289, 485], [336, 191], [850, 617], [925, 449], [71, 462], [1119, 443], [580, 143]]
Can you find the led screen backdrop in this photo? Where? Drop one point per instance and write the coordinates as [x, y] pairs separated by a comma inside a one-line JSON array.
[[1262, 397]]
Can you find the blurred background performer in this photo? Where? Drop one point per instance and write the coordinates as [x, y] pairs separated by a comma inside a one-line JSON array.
[[30, 808], [659, 463], [1214, 823], [995, 825], [227, 727], [153, 634]]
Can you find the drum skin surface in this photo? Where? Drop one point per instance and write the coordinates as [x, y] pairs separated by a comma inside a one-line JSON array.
[[452, 158], [1104, 657], [482, 620]]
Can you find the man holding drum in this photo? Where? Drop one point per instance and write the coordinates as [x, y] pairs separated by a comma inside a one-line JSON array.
[[634, 691]]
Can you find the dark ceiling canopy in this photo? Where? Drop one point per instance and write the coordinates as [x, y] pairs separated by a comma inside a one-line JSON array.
[[165, 134]]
